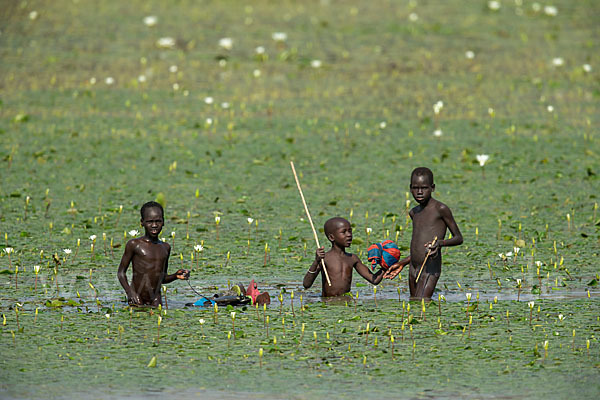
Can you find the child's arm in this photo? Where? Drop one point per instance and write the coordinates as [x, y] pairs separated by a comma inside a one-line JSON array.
[[180, 274], [132, 297], [363, 270], [395, 269], [315, 268], [456, 239]]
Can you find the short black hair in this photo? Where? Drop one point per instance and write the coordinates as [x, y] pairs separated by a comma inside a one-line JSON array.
[[332, 223], [422, 171], [152, 204]]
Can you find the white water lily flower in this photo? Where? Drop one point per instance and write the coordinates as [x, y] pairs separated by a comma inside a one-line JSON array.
[[233, 315], [413, 17], [260, 50], [209, 100], [176, 86], [369, 230], [166, 42], [383, 125], [468, 295], [198, 248], [93, 237], [536, 7], [150, 20], [587, 67], [173, 69], [531, 304], [558, 61], [250, 220], [107, 316], [142, 78], [561, 317], [36, 269], [482, 159], [33, 15], [8, 250], [173, 234], [109, 80], [437, 107], [201, 320], [470, 54], [502, 256], [509, 254], [256, 73], [279, 36], [217, 219], [551, 11], [437, 133], [226, 43], [550, 109], [225, 105], [133, 232], [516, 250], [93, 80], [209, 121], [494, 5], [538, 263], [519, 281], [67, 251], [316, 63]]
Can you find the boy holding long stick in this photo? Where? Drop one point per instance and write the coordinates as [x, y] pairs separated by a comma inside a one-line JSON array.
[[431, 219], [339, 263]]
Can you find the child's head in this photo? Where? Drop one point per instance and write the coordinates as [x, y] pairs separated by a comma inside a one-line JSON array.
[[421, 185], [151, 204], [422, 171], [339, 231]]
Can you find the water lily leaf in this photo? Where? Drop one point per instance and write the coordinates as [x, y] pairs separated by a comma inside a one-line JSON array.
[[161, 199], [152, 363], [593, 282]]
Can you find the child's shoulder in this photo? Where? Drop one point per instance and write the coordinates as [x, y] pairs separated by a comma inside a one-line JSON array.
[[439, 205], [142, 242]]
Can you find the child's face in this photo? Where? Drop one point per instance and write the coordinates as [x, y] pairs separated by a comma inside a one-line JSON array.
[[152, 221], [341, 235], [421, 188]]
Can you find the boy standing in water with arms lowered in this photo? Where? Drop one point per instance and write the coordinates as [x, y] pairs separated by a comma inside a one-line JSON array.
[[149, 257], [430, 219]]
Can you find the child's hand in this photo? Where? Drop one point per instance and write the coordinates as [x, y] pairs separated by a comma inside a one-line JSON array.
[[320, 254], [133, 299], [183, 274], [433, 247], [393, 271]]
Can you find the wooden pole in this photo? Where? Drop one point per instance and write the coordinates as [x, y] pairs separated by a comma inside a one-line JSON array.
[[424, 261], [310, 220]]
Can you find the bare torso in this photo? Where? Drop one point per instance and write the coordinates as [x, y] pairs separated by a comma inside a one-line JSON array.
[[427, 225], [149, 262], [339, 268]]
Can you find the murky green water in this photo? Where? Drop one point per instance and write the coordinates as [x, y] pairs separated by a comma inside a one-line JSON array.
[[73, 149]]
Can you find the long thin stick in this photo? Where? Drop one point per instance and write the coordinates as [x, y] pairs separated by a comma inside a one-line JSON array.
[[426, 257], [310, 220]]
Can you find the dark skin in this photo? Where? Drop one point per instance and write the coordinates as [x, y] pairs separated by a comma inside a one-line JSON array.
[[339, 263], [149, 258], [431, 218]]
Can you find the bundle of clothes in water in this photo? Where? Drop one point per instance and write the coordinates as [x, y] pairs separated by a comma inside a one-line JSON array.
[[237, 295]]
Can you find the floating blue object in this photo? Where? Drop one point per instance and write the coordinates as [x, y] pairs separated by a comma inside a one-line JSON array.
[[204, 302]]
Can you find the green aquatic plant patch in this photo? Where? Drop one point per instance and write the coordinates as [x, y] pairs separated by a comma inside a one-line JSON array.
[[203, 105]]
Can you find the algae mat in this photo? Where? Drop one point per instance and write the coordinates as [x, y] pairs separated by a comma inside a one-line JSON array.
[[204, 107]]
